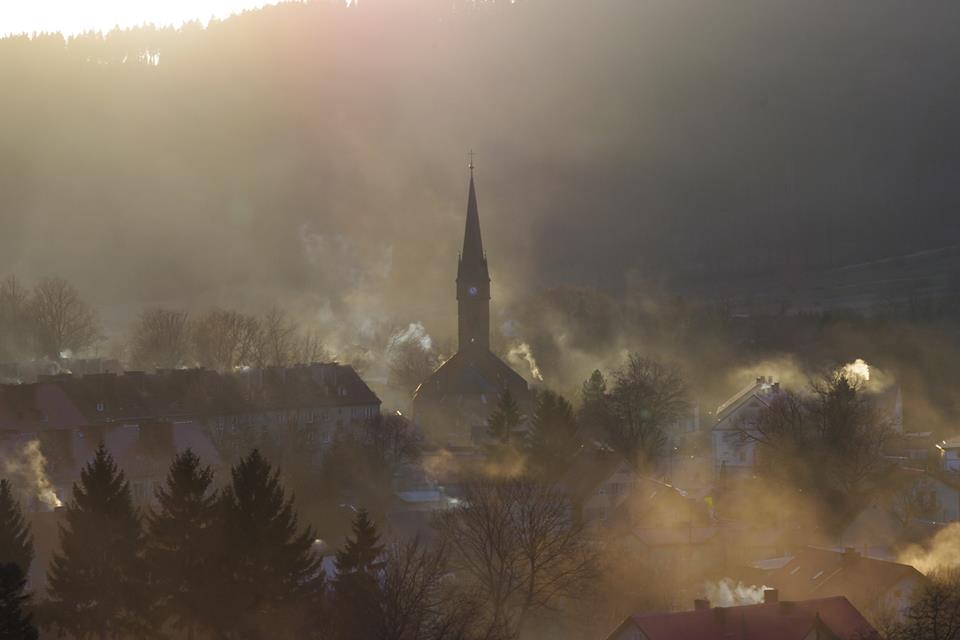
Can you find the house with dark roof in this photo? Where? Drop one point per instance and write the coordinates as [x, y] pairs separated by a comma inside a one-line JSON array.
[[649, 520], [144, 419], [821, 619], [876, 587], [606, 491]]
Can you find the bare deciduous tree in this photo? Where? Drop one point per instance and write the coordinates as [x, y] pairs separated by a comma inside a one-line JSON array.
[[935, 612], [161, 339], [62, 321], [224, 340], [16, 336], [913, 501], [647, 396], [410, 364], [411, 590], [392, 439], [419, 602], [515, 543], [278, 339], [308, 348]]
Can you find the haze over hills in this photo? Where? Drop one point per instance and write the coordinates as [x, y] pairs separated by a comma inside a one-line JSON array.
[[317, 152]]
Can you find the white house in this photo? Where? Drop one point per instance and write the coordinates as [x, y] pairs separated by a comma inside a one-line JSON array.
[[733, 449]]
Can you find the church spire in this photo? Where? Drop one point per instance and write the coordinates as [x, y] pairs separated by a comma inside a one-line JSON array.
[[472, 255], [473, 280]]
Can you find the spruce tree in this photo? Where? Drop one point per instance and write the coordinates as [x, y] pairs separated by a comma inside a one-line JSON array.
[[97, 581], [361, 552], [595, 414], [356, 586], [16, 543], [272, 576], [181, 545], [554, 435], [15, 623], [503, 419]]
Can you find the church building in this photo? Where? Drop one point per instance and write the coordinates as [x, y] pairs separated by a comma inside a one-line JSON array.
[[461, 393]]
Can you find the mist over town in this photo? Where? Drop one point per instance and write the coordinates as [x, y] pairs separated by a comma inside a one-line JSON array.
[[479, 320]]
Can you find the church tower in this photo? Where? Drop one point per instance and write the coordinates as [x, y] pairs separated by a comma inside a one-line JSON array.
[[452, 405], [473, 283]]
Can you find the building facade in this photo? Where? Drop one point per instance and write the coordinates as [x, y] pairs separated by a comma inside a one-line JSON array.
[[145, 419]]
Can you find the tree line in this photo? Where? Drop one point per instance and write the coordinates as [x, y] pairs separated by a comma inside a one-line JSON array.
[[49, 320], [52, 321], [235, 562], [630, 415], [221, 339]]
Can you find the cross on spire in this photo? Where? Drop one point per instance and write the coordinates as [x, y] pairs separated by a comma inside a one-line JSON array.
[[471, 161]]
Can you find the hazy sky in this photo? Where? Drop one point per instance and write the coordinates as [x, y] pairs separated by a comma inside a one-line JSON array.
[[77, 16]]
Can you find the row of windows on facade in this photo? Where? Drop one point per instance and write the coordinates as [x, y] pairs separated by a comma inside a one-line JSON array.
[[306, 416], [312, 436]]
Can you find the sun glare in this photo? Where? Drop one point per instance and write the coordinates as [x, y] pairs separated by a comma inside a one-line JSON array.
[[71, 17]]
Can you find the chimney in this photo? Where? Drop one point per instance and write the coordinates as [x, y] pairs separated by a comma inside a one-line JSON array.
[[771, 596], [759, 379], [701, 604]]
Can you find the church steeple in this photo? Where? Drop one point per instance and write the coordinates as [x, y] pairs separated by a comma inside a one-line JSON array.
[[473, 281], [472, 242]]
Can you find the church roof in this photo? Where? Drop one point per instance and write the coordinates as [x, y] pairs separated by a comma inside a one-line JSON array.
[[468, 373]]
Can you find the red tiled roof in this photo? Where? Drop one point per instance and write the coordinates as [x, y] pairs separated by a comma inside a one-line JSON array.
[[768, 621]]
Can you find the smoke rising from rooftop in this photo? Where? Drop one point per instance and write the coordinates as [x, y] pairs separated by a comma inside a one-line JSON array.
[[30, 468]]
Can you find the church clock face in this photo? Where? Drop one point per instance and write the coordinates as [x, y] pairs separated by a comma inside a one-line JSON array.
[[472, 291]]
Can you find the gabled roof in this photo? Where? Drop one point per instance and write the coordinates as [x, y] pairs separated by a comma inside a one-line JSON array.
[[737, 399], [588, 470], [767, 621], [761, 391], [472, 373], [816, 572]]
